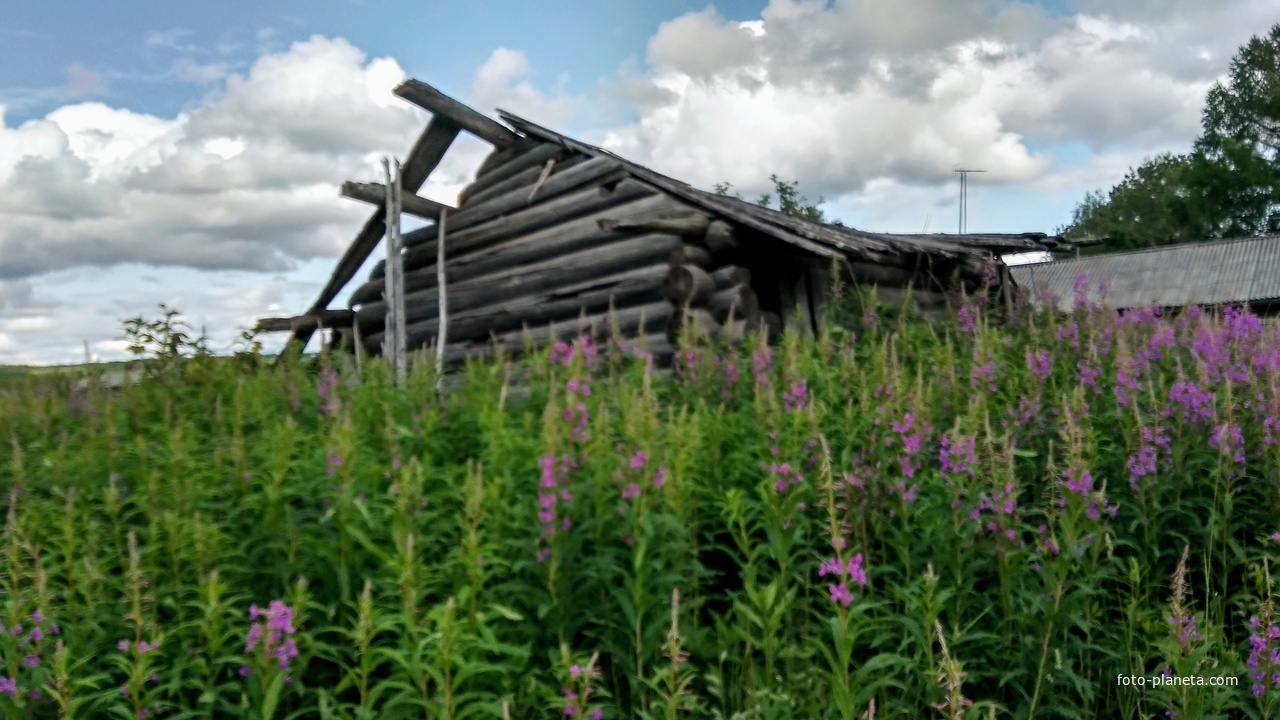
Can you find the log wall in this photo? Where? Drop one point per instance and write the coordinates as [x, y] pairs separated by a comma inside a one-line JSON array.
[[546, 245]]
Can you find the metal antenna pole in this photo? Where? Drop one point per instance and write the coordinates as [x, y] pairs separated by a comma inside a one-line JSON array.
[[964, 197]]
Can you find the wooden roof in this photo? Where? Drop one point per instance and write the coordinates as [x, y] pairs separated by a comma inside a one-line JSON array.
[[831, 241]]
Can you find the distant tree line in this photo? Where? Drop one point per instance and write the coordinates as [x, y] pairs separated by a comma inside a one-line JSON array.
[[1227, 186]]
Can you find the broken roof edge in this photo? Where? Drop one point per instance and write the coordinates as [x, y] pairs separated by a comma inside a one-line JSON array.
[[830, 241]]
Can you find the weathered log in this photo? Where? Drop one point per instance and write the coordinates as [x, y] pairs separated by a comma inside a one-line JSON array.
[[423, 158], [555, 214], [740, 303], [594, 172], [441, 105], [556, 272], [740, 276], [626, 322], [375, 193], [501, 156], [690, 255], [688, 285], [654, 345], [886, 275], [696, 320], [719, 237], [524, 179], [421, 242], [561, 304], [691, 223], [327, 318], [923, 299], [535, 157], [561, 239]]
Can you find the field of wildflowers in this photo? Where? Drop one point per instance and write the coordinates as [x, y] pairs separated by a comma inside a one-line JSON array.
[[890, 520]]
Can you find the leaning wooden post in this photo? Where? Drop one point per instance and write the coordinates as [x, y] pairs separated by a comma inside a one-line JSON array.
[[358, 345], [389, 277], [402, 336], [391, 340], [444, 313]]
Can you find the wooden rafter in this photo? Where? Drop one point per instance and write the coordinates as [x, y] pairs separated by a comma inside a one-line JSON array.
[[448, 118], [327, 318], [375, 193], [441, 105], [423, 158]]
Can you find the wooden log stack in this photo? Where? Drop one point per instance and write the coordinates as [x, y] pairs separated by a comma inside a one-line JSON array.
[[546, 245], [709, 294]]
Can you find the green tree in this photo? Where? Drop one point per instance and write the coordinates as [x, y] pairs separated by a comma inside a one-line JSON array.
[[1238, 153], [789, 200], [1153, 205], [1227, 186]]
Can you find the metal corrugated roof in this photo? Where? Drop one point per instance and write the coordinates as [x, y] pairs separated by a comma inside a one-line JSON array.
[[818, 238], [1207, 273]]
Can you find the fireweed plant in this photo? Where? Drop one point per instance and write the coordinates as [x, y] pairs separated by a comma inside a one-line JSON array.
[[994, 515]]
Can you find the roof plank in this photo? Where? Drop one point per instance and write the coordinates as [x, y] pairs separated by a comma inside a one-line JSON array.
[[375, 193], [424, 157], [441, 105], [830, 241]]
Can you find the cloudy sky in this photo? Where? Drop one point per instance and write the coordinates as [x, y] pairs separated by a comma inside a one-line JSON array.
[[190, 153]]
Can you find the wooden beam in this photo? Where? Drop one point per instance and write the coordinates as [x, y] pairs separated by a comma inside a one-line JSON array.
[[327, 318], [423, 158], [375, 193], [694, 223], [557, 270], [441, 105], [559, 305], [535, 157]]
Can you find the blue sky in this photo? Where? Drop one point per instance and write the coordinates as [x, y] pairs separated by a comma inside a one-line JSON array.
[[136, 47], [190, 153]]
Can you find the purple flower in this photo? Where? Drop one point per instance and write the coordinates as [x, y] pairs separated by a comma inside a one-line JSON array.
[[985, 373], [9, 686], [1039, 364], [856, 571], [123, 646], [968, 320], [840, 594], [638, 460], [797, 398]]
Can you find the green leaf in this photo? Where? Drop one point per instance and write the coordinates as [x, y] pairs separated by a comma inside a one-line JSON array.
[[272, 697]]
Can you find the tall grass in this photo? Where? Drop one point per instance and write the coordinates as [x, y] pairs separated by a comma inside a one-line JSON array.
[[890, 520]]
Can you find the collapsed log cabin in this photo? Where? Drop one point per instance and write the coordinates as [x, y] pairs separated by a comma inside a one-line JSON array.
[[555, 238]]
